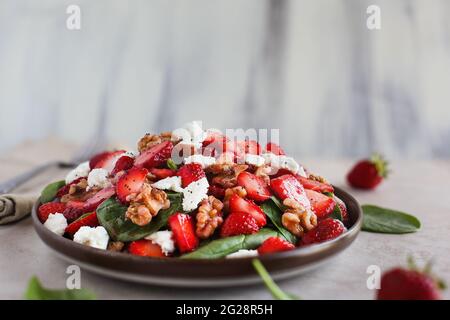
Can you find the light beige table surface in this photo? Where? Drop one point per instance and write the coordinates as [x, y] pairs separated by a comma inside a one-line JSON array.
[[420, 188]]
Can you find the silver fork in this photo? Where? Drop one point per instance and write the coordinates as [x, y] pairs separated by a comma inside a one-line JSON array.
[[85, 153]]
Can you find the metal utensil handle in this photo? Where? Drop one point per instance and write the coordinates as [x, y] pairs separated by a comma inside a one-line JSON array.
[[11, 184]]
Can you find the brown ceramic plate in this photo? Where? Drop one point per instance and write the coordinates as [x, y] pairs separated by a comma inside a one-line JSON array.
[[202, 273]]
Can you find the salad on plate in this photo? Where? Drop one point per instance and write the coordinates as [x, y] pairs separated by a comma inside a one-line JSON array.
[[193, 194]]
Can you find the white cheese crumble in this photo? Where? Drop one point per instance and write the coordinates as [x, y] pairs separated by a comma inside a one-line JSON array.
[[283, 162], [243, 253], [82, 170], [98, 178], [194, 193], [204, 161], [169, 183], [131, 154], [164, 239], [190, 134], [254, 159], [93, 237], [56, 222]]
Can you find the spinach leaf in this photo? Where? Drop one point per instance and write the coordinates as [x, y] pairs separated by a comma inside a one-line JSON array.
[[337, 213], [222, 247], [273, 211], [274, 289], [383, 220], [111, 215], [50, 191], [36, 291]]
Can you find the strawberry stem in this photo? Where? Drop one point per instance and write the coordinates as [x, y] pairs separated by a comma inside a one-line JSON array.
[[380, 164]]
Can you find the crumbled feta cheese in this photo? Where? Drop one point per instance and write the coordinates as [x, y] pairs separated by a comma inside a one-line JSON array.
[[254, 160], [164, 239], [190, 134], [282, 162], [98, 178], [93, 237], [169, 183], [56, 222], [194, 193], [243, 254], [204, 161], [82, 170], [131, 153]]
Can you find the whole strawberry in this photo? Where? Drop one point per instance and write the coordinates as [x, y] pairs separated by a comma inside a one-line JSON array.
[[368, 173], [409, 284]]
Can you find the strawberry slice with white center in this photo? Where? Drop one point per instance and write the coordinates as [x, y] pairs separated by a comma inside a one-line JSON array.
[[93, 202], [182, 227], [155, 156], [190, 172], [287, 186], [131, 182], [238, 204], [321, 204], [315, 185], [107, 160], [255, 186]]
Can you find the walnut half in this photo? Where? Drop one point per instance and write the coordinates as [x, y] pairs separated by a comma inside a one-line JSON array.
[[209, 217], [146, 204], [296, 218], [150, 140]]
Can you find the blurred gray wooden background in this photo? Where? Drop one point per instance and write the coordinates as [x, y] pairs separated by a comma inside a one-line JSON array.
[[308, 67]]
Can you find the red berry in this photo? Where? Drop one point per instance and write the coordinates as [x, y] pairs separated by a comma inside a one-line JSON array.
[[182, 226], [275, 244], [287, 186], [65, 189], [238, 223], [189, 173], [162, 173], [275, 149], [97, 199], [404, 284], [369, 173], [248, 147], [238, 204], [123, 163], [255, 186], [321, 204], [216, 191], [315, 185], [131, 182], [145, 248], [89, 219], [106, 160], [48, 208], [325, 230], [155, 156]]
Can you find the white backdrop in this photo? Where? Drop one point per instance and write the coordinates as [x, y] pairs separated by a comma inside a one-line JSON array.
[[308, 67]]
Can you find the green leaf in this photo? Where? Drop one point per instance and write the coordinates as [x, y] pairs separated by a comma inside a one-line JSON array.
[[273, 211], [50, 191], [222, 247], [383, 220], [337, 213], [329, 194], [111, 215], [36, 291], [171, 164], [274, 289]]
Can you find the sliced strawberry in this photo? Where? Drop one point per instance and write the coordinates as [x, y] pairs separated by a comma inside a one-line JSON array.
[[216, 191], [249, 147], [321, 204], [65, 189], [182, 227], [48, 208], [275, 149], [315, 185], [123, 163], [163, 173], [255, 186], [287, 186], [343, 208], [218, 144], [275, 244], [145, 248], [238, 223], [155, 156], [325, 230], [189, 173], [88, 219], [108, 160], [93, 202], [95, 159], [130, 182], [238, 204], [76, 204]]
